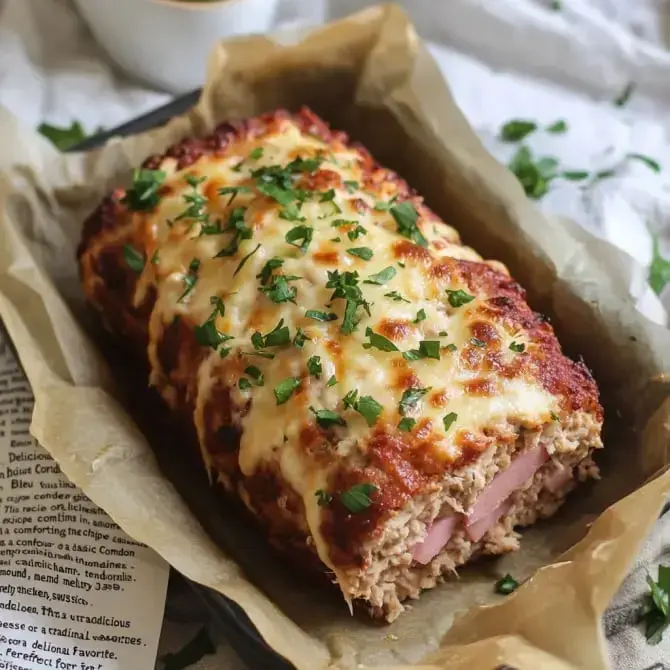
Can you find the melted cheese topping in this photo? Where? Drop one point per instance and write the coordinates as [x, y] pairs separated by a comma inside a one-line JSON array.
[[271, 431]]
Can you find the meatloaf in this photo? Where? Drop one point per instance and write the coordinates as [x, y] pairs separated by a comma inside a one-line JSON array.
[[381, 399]]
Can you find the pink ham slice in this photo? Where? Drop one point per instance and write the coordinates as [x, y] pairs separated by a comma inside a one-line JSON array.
[[438, 535], [477, 529], [523, 467]]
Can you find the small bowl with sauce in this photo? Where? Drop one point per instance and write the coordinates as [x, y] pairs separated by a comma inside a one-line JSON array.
[[166, 42]]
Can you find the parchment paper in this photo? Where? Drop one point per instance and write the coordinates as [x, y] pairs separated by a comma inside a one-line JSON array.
[[371, 76]]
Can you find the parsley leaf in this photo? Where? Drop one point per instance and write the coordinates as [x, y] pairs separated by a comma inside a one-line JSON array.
[[448, 420], [378, 341], [357, 498], [356, 232], [369, 408], [420, 316], [244, 384], [649, 162], [285, 389], [459, 298], [477, 342], [207, 334], [659, 270], [332, 381], [346, 287], [300, 338], [266, 273], [134, 259], [279, 290], [323, 498], [395, 296], [190, 279], [195, 200], [575, 175], [63, 138], [327, 418], [314, 366], [302, 234], [518, 347], [406, 217], [516, 129], [143, 194], [624, 96], [245, 259], [657, 612], [349, 400], [506, 585], [255, 374], [557, 127], [384, 206], [277, 337], [406, 424], [410, 399], [352, 186], [382, 277], [256, 153], [427, 349], [534, 175], [242, 232], [362, 252], [320, 316]]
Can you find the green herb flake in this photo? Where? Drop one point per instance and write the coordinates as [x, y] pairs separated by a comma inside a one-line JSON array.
[[326, 418], [427, 349], [278, 290], [155, 259], [451, 347], [369, 409], [406, 218], [477, 342], [649, 162], [278, 336], [448, 420], [134, 259], [420, 316], [302, 235], [256, 153], [575, 175], [378, 341], [207, 335], [244, 384], [266, 273], [361, 252], [245, 259], [323, 498], [459, 297], [345, 285], [190, 279], [317, 315], [255, 374], [516, 130], [300, 338], [554, 416], [396, 297], [406, 424], [384, 206], [332, 381], [656, 613], [143, 194], [518, 347], [382, 277], [351, 186], [410, 399], [63, 138], [534, 175], [659, 269], [558, 127], [350, 399], [506, 585], [285, 389], [357, 498], [314, 366], [356, 232], [624, 96]]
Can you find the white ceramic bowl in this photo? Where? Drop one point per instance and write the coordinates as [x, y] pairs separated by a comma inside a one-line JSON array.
[[166, 42]]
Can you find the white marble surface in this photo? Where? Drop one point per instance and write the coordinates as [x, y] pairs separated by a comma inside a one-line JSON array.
[[503, 59]]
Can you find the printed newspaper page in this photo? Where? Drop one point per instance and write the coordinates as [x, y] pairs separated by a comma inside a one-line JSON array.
[[76, 593]]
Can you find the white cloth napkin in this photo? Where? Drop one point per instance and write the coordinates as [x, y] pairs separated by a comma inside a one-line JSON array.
[[503, 60]]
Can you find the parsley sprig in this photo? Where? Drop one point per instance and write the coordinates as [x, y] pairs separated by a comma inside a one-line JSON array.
[[143, 194], [656, 611], [345, 285]]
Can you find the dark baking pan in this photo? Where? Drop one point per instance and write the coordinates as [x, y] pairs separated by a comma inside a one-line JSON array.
[[231, 619]]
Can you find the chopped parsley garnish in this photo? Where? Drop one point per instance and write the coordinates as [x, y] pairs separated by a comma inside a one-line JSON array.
[[266, 273], [285, 389], [155, 259], [356, 232], [279, 290], [427, 349], [656, 611], [382, 277], [554, 416], [420, 316], [448, 420], [624, 96], [575, 175], [245, 259], [410, 399], [134, 259], [335, 239], [357, 498], [394, 295], [361, 252], [459, 298], [327, 418], [206, 334], [603, 174], [506, 585], [352, 186], [195, 200], [256, 153], [291, 212], [332, 381], [242, 232], [300, 338], [314, 366], [406, 424], [477, 342], [320, 316], [451, 347], [244, 384], [224, 351], [277, 337], [558, 127], [346, 287], [327, 196], [649, 162], [323, 498], [255, 374], [659, 270], [401, 264], [233, 191], [533, 174], [443, 333], [276, 181], [516, 130], [369, 408], [64, 137], [301, 234], [260, 354], [518, 347], [382, 206], [406, 218], [190, 279], [378, 341], [143, 194]]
